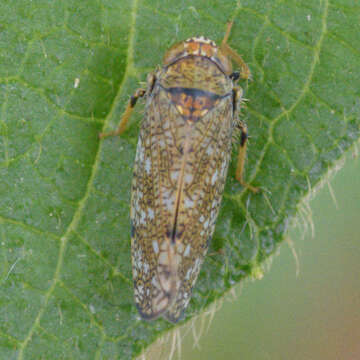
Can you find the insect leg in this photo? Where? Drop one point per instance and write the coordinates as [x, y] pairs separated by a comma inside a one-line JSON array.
[[126, 116], [241, 158], [130, 107], [237, 96], [226, 49]]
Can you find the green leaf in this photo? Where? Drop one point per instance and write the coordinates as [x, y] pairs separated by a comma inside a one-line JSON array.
[[66, 71]]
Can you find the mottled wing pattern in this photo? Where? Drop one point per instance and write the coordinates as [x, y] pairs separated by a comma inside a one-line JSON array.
[[204, 180], [152, 207], [179, 176]]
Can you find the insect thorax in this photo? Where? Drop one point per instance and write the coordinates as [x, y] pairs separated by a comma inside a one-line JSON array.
[[195, 85], [196, 72]]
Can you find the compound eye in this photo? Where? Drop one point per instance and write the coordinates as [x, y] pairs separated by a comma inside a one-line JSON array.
[[235, 75]]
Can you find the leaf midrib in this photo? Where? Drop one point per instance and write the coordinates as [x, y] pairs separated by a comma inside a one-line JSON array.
[[82, 202]]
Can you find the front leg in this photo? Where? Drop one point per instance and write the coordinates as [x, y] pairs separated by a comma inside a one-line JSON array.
[[226, 49], [130, 107]]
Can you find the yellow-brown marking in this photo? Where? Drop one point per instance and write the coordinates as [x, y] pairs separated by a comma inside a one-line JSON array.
[[192, 104]]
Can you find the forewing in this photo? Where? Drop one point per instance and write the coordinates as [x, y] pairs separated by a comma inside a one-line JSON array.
[[179, 177], [154, 191], [203, 184]]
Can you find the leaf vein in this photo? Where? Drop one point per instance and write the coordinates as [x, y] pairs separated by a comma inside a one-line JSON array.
[[29, 228], [81, 204], [304, 91]]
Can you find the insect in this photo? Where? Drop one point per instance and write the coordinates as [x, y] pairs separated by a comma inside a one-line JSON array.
[[182, 158]]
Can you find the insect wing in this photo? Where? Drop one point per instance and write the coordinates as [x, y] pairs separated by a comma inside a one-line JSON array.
[[179, 176], [203, 184], [152, 206]]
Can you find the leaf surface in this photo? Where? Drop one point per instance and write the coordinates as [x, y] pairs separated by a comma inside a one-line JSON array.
[[67, 70]]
